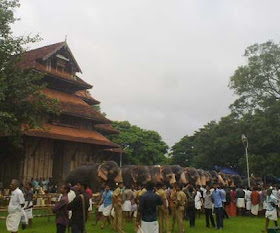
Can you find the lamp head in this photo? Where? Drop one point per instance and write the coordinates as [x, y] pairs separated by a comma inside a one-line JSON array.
[[244, 138]]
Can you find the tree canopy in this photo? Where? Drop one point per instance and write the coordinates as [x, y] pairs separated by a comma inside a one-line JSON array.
[[256, 113], [21, 101], [257, 82], [143, 146]]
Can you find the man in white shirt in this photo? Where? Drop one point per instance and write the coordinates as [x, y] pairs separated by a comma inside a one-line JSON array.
[[15, 207]]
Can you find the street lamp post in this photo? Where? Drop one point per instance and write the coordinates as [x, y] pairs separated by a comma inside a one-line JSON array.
[[245, 143]]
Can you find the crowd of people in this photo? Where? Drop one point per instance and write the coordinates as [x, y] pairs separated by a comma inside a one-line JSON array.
[[150, 208], [44, 185]]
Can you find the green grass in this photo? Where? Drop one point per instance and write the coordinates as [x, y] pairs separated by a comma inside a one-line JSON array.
[[232, 225]]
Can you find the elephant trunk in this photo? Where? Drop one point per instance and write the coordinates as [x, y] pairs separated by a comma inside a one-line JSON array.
[[183, 178], [119, 178]]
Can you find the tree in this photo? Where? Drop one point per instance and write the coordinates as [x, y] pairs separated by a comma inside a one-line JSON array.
[[21, 100], [257, 82], [182, 152], [256, 113], [145, 147]]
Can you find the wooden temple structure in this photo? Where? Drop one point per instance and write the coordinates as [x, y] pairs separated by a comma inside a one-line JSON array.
[[77, 136]]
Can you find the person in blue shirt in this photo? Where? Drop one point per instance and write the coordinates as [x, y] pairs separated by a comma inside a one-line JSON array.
[[107, 202], [218, 206]]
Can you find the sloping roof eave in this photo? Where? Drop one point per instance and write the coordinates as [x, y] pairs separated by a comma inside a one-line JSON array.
[[70, 134]]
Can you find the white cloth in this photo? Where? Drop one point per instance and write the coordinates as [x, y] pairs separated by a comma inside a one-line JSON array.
[[248, 205], [248, 199], [13, 220], [149, 227], [197, 200], [100, 208], [17, 199], [90, 205], [134, 210], [255, 209], [240, 203], [24, 218], [107, 210], [127, 206], [113, 212], [71, 196], [271, 215], [29, 211]]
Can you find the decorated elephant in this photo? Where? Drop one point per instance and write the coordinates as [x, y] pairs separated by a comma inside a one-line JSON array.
[[96, 175], [202, 176], [135, 175], [168, 176], [179, 174], [237, 180], [208, 178], [192, 176], [156, 172]]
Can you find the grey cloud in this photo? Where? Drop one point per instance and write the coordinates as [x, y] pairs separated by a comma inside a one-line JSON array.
[[163, 65]]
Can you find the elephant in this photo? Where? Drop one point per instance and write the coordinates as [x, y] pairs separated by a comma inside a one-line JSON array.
[[156, 172], [136, 175], [192, 176], [179, 174], [202, 177], [254, 181], [96, 175], [237, 180], [168, 175], [208, 178]]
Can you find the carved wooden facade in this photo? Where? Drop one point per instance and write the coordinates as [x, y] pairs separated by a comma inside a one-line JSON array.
[[74, 138]]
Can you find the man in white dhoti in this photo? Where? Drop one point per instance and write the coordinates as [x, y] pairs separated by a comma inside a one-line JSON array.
[[247, 198], [107, 205], [28, 207], [15, 207], [148, 211], [127, 197], [255, 201], [240, 201], [271, 212]]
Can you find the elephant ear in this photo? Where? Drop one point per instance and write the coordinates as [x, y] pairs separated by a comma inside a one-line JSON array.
[[103, 172], [134, 174]]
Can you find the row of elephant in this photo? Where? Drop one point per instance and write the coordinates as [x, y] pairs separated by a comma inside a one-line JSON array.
[[109, 172]]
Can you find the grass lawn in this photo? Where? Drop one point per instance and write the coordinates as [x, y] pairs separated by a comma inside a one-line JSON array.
[[233, 225]]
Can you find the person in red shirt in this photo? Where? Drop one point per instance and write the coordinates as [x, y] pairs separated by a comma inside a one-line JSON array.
[[231, 208], [89, 192], [255, 200]]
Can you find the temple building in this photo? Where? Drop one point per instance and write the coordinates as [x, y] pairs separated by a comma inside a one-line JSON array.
[[77, 136]]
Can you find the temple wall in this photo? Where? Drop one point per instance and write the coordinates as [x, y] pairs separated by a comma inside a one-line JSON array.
[[45, 158], [38, 160]]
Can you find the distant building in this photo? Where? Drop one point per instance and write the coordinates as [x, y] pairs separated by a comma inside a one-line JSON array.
[[76, 137]]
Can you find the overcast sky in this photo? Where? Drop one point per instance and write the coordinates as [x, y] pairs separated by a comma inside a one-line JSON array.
[[162, 65]]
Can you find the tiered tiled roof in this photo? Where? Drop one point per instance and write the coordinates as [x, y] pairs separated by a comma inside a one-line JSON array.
[[31, 57], [106, 128], [74, 106], [31, 60], [77, 104], [86, 96], [70, 134]]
